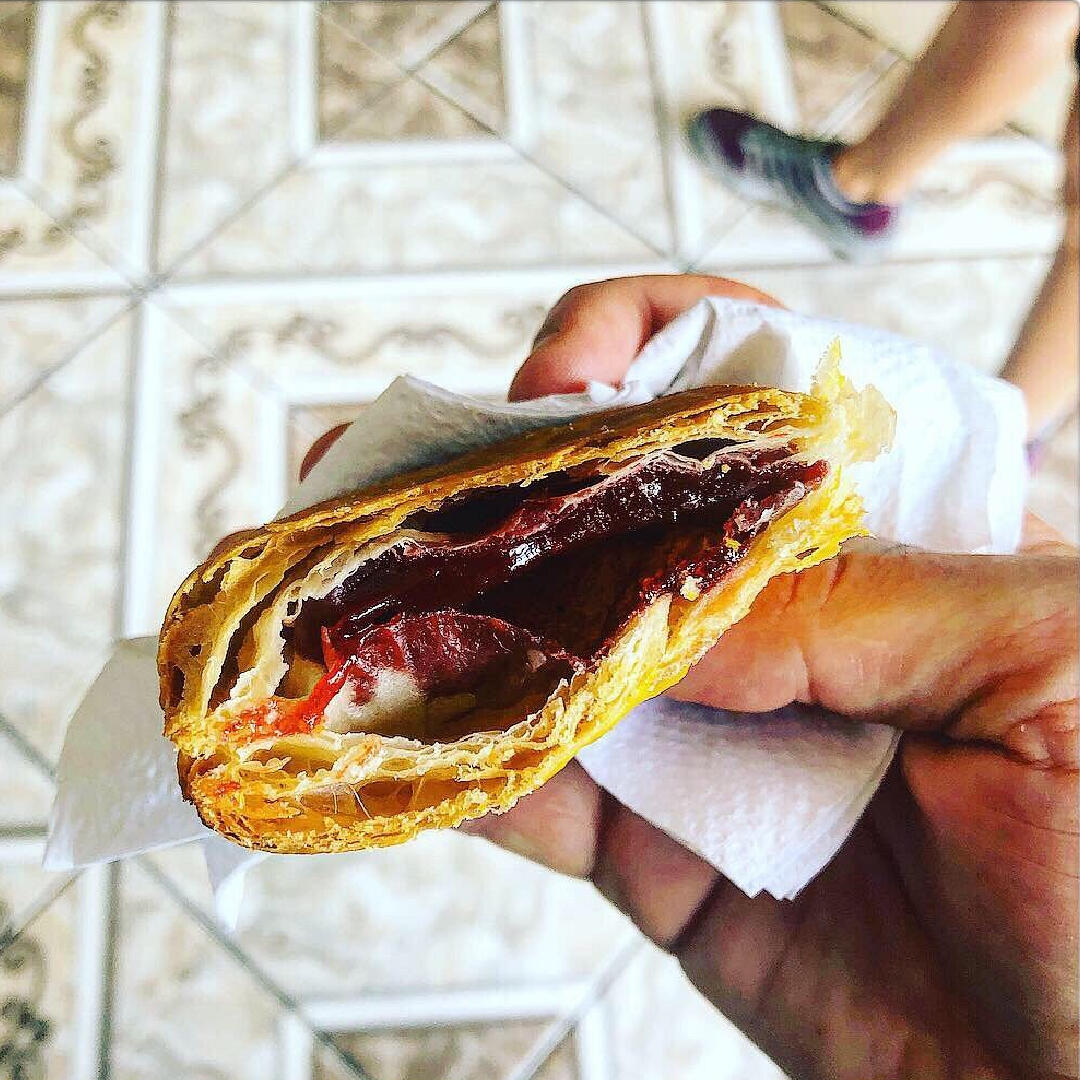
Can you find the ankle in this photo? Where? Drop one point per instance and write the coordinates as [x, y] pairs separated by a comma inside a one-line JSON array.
[[858, 181]]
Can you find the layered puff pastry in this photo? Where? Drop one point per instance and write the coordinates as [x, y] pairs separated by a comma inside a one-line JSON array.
[[434, 647]]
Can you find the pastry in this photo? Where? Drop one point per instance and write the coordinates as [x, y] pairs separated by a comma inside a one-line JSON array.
[[436, 646]]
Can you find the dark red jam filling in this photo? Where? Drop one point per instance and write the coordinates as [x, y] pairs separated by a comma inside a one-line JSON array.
[[531, 584]]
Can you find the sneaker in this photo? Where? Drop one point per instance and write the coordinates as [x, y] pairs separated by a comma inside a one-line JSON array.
[[764, 164]]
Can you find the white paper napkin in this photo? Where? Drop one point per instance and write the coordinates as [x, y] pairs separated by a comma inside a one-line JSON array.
[[768, 800]]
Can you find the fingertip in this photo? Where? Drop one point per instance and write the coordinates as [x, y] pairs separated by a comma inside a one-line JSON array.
[[319, 447]]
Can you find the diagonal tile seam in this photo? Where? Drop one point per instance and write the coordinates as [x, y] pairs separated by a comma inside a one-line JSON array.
[[418, 74], [557, 1033], [454, 28], [297, 161], [70, 353], [22, 919], [235, 952]]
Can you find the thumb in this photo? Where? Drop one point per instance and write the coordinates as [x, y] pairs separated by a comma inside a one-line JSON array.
[[976, 647]]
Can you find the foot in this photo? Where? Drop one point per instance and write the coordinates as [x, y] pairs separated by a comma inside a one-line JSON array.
[[764, 164]]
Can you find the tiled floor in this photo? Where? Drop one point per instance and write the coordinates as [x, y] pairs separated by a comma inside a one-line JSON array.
[[224, 226]]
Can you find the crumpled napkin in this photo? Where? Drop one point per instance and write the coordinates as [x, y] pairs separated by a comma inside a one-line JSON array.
[[767, 799]]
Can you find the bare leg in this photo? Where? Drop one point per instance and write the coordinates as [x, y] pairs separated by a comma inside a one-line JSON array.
[[984, 61], [1045, 361]]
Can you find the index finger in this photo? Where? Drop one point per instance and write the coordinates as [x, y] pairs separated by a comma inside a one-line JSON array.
[[596, 330]]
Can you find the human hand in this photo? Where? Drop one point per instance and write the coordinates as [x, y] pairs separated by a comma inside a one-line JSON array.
[[942, 939]]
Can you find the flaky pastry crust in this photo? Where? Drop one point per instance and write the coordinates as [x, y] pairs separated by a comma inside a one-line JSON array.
[[221, 645]]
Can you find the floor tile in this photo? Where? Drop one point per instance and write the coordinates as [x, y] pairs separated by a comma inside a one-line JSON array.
[[906, 28], [25, 889], [469, 69], [477, 1052], [350, 75], [699, 1045], [404, 31], [16, 34], [62, 448], [38, 976], [83, 148], [183, 1007], [26, 792], [968, 309], [207, 443], [229, 122], [39, 255], [444, 911], [42, 333], [829, 60]]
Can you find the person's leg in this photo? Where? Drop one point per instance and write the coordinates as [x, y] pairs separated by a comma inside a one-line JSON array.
[[987, 57], [1045, 361]]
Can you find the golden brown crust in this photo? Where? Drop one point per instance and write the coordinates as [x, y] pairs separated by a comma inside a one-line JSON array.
[[335, 793]]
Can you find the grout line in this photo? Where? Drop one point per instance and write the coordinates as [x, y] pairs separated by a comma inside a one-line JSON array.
[[211, 291], [303, 76], [161, 142], [128, 500], [266, 982], [93, 983], [655, 32], [779, 100], [557, 1033], [147, 138], [108, 972], [61, 284], [519, 83], [141, 468]]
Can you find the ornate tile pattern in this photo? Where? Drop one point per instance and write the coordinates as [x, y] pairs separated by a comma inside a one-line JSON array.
[[16, 34], [225, 226]]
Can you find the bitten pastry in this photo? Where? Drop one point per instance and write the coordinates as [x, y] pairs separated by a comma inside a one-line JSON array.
[[436, 646]]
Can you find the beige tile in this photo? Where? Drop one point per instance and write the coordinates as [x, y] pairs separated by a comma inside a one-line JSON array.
[[94, 84], [38, 980], [593, 116], [372, 217], [26, 793], [228, 130], [403, 30], [16, 34], [661, 1026], [40, 334], [410, 111], [24, 888], [478, 1052], [1054, 487], [61, 450], [829, 60], [183, 1006], [970, 310], [469, 68], [209, 436], [350, 76], [907, 28], [37, 253], [442, 911]]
